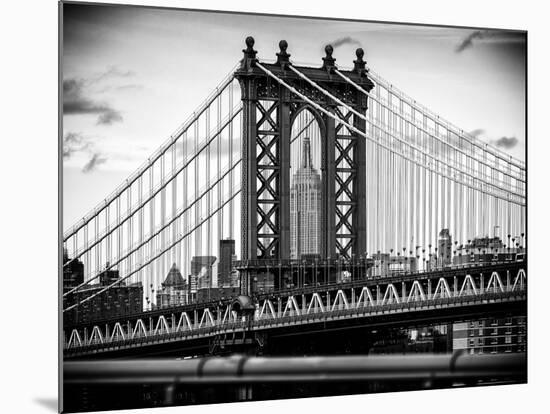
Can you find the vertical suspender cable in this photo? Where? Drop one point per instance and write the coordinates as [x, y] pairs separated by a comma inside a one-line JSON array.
[[129, 229], [208, 194], [197, 217], [220, 184], [230, 132], [152, 274], [141, 224]]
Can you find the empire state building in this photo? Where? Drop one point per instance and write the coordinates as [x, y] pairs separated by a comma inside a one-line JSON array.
[[305, 208]]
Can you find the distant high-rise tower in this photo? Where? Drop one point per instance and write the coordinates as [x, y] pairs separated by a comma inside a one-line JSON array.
[[201, 269], [445, 247], [225, 266], [305, 208]]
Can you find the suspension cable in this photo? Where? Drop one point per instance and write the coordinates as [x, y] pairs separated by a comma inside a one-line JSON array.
[[351, 127], [156, 232], [444, 123], [144, 167], [154, 191], [434, 136], [156, 256], [380, 127]]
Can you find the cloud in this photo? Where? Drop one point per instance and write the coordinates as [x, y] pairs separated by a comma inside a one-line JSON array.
[[125, 87], [491, 35], [97, 159], [74, 142], [477, 132], [75, 102], [77, 91], [468, 41], [506, 142], [108, 117], [347, 40], [112, 72]]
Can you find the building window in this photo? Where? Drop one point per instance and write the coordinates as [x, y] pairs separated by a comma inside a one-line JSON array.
[[480, 333], [508, 339], [508, 321], [472, 343], [495, 331]]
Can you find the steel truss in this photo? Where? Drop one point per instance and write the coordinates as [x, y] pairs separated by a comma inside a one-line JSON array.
[[373, 296]]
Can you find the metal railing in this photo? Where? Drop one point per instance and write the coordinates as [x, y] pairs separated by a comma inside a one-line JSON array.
[[250, 370], [310, 317]]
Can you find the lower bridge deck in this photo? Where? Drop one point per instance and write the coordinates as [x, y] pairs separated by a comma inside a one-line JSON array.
[[258, 333]]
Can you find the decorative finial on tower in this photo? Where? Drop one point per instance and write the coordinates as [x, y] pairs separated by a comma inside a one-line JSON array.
[[282, 56], [249, 54], [328, 60], [360, 63], [249, 45]]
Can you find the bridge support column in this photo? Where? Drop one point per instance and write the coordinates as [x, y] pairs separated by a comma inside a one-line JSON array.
[[284, 174], [249, 191], [481, 284], [328, 180], [359, 219]]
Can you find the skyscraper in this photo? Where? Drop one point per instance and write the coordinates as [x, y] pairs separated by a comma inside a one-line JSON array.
[[201, 268], [225, 266], [73, 273], [305, 208], [445, 246]]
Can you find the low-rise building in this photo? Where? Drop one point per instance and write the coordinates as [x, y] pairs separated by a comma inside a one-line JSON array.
[[491, 335], [174, 290], [117, 301]]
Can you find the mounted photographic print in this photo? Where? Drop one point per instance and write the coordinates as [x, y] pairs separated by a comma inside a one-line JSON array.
[[261, 207]]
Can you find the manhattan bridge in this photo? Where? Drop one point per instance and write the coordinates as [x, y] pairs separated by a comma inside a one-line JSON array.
[[418, 222]]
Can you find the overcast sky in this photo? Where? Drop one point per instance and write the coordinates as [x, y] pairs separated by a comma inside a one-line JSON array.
[[132, 75]]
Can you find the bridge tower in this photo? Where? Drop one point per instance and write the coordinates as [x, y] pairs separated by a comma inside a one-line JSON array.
[[269, 110]]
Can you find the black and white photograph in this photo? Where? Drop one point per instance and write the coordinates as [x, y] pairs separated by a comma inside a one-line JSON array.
[[274, 207], [264, 207]]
